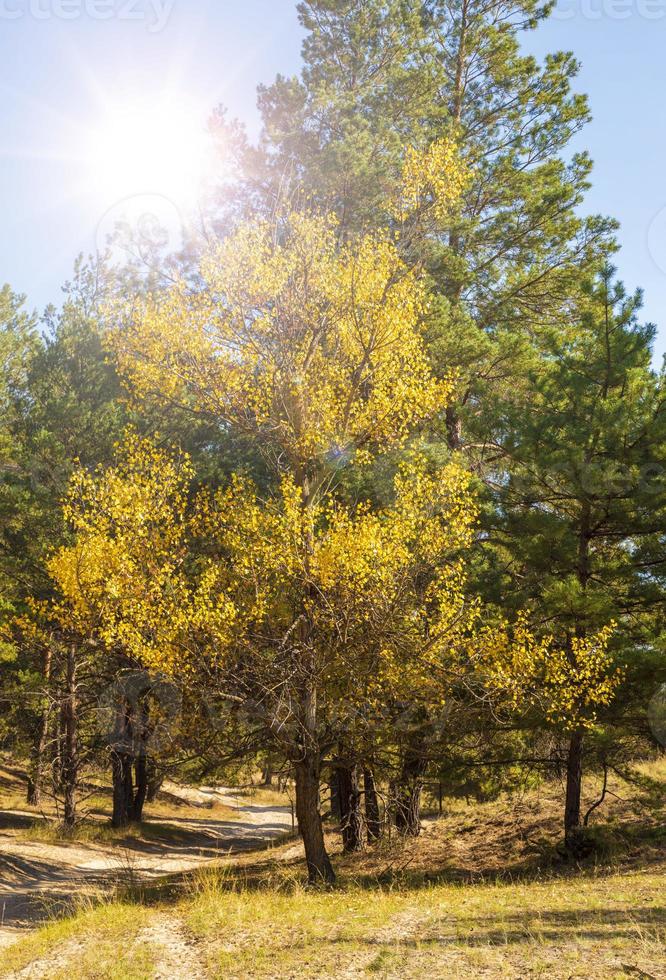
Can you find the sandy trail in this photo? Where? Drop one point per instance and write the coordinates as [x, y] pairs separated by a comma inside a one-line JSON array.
[[37, 878]]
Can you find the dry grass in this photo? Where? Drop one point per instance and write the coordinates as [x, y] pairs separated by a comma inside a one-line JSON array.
[[587, 927], [592, 926], [264, 795], [518, 835], [483, 893], [96, 939]]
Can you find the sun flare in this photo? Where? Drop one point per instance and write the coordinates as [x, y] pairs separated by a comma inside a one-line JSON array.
[[147, 147]]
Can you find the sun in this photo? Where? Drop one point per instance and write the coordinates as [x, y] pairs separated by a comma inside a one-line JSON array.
[[148, 147]]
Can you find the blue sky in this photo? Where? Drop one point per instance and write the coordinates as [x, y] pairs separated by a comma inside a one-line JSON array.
[[63, 61]]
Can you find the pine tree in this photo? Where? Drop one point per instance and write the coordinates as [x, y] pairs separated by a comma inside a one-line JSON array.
[[382, 77], [578, 517]]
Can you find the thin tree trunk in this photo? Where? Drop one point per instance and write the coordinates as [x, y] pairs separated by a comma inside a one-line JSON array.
[[453, 428], [267, 774], [56, 758], [141, 788], [575, 752], [70, 746], [155, 778], [121, 772], [153, 788], [121, 768], [408, 810], [139, 730], [350, 805], [574, 785], [334, 785], [308, 815], [36, 776], [454, 436], [372, 817], [307, 767], [408, 790]]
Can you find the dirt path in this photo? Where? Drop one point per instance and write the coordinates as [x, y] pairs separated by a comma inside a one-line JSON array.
[[37, 878], [177, 956]]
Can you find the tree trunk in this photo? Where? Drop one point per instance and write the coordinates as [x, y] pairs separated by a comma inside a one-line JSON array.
[[574, 784], [309, 820], [153, 788], [129, 765], [267, 774], [453, 428], [36, 776], [56, 759], [334, 785], [141, 790], [155, 778], [372, 818], [121, 771], [70, 747], [350, 805], [575, 753], [408, 810], [409, 787], [138, 724]]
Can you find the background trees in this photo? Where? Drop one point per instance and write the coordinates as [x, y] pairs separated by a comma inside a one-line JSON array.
[[579, 501]]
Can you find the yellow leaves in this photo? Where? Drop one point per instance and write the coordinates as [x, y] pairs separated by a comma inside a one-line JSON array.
[[174, 582], [122, 580], [171, 580], [439, 507], [376, 594], [580, 679], [313, 345], [433, 180], [568, 682]]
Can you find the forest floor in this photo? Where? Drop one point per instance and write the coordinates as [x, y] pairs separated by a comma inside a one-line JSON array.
[[484, 892]]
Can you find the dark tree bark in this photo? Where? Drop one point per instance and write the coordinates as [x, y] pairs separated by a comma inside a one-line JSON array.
[[121, 767], [575, 751], [453, 429], [334, 785], [574, 785], [350, 805], [409, 788], [372, 817], [70, 767], [129, 763], [408, 810], [130, 788], [141, 789], [36, 776], [308, 815], [56, 759], [121, 772], [153, 788], [155, 780], [33, 793], [139, 730]]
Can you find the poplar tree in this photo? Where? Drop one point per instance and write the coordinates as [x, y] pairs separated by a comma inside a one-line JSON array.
[[305, 609]]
